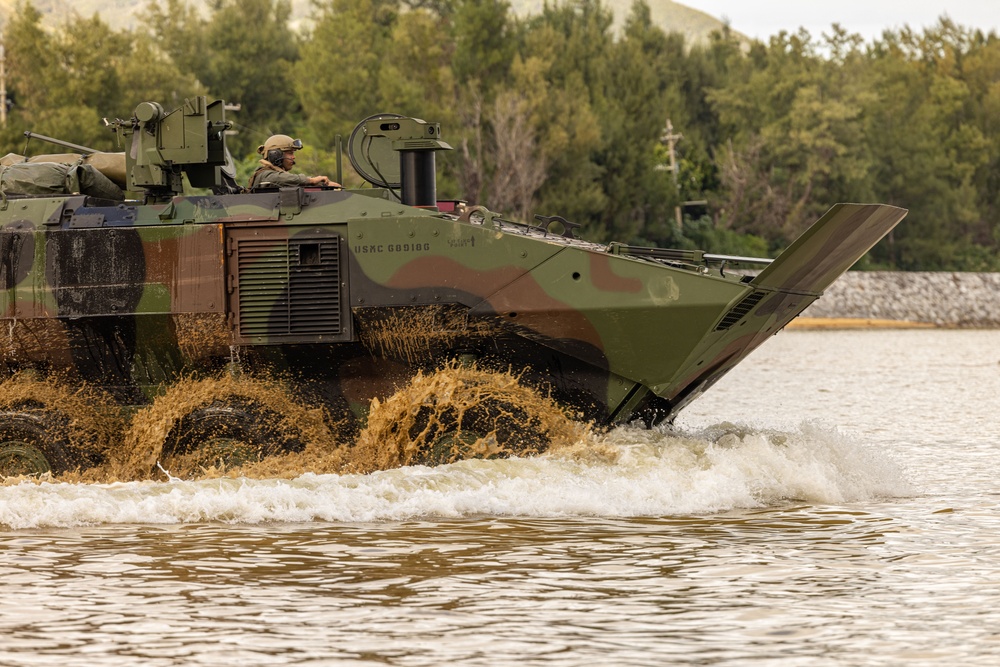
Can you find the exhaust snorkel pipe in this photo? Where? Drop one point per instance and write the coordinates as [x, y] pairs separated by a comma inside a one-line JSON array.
[[418, 178], [375, 139]]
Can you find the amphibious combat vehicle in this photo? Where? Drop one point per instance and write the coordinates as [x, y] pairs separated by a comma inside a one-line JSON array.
[[351, 293]]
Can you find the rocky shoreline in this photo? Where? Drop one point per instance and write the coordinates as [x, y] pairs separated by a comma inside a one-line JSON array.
[[942, 299]]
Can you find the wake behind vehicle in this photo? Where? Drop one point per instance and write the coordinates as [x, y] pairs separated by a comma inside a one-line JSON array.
[[353, 294]]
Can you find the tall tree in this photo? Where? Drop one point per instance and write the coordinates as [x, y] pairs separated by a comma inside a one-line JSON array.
[[484, 45], [563, 57], [416, 78], [519, 168], [796, 135], [255, 50], [337, 78], [485, 39], [65, 80], [180, 30], [243, 53], [926, 151], [640, 195]]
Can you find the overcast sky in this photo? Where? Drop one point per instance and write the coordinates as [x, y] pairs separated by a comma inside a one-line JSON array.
[[763, 18]]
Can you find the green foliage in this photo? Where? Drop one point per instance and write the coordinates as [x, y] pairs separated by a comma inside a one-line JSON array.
[[638, 194], [561, 113], [337, 77], [62, 83], [703, 233], [560, 72], [483, 49], [244, 52]]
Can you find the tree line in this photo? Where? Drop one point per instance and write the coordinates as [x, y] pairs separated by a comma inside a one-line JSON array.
[[559, 113]]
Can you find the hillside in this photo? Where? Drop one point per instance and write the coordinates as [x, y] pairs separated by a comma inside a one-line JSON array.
[[671, 16]]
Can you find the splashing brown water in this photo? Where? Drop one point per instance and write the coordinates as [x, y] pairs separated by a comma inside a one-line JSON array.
[[85, 416], [152, 427], [454, 413], [412, 335], [461, 412]]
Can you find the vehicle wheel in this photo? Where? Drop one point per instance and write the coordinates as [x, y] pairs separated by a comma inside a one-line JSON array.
[[478, 428], [34, 443], [229, 432], [50, 426], [458, 413], [225, 421]]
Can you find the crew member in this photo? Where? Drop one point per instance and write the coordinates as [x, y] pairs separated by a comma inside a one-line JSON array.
[[278, 159]]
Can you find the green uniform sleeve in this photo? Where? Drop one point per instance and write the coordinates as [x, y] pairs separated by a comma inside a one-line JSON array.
[[279, 179]]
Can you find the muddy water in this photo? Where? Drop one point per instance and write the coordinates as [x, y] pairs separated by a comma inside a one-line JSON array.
[[174, 439], [832, 501]]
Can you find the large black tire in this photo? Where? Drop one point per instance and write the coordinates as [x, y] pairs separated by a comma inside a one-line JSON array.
[[491, 429], [229, 432], [458, 412], [36, 442]]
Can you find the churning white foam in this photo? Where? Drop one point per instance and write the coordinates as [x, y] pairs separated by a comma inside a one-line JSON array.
[[651, 473]]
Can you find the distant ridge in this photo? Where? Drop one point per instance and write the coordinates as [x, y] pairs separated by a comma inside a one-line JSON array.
[[670, 16]]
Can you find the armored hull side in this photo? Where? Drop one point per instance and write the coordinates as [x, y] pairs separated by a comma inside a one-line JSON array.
[[329, 285]]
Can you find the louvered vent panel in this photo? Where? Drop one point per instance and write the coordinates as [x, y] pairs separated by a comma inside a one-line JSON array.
[[737, 312], [289, 287], [314, 290]]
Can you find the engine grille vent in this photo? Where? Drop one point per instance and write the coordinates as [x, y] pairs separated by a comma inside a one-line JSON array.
[[737, 312], [290, 288]]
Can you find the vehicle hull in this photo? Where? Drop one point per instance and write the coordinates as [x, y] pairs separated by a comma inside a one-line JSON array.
[[350, 293]]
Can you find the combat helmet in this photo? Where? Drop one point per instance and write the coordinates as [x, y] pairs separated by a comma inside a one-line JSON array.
[[279, 142]]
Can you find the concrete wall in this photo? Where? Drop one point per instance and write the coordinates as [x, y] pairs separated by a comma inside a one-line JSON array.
[[942, 298]]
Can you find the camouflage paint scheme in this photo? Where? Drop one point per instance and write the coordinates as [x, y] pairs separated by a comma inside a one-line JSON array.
[[353, 291], [111, 295]]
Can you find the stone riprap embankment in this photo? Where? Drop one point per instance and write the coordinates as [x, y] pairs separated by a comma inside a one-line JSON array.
[[944, 299]]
